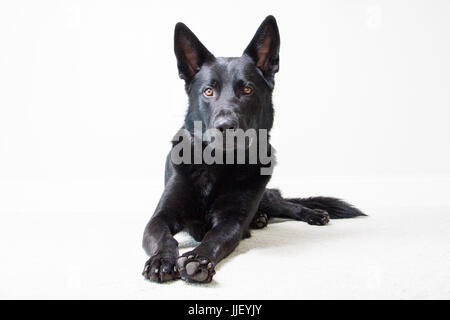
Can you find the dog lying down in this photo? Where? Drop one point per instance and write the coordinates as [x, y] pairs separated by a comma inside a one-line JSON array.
[[221, 161]]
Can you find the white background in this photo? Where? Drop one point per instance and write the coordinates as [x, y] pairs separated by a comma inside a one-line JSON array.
[[90, 97]]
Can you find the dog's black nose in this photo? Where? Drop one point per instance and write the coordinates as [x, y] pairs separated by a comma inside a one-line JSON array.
[[226, 124]]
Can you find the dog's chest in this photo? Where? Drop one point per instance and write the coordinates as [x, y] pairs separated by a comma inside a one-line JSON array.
[[204, 180], [209, 181]]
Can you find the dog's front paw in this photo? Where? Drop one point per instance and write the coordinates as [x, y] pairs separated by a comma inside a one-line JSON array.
[[160, 269], [318, 217], [259, 221], [193, 268]]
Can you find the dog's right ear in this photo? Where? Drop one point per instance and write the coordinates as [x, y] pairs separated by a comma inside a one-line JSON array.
[[190, 52]]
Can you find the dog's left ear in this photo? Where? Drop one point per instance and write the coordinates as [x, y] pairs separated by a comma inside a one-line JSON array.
[[264, 48]]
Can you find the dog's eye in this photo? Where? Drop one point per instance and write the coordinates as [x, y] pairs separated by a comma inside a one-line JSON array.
[[248, 90], [208, 92]]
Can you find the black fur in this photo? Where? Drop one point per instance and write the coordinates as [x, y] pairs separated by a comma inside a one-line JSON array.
[[336, 208], [218, 203]]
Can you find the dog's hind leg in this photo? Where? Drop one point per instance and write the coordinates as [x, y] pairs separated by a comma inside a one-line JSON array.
[[274, 205]]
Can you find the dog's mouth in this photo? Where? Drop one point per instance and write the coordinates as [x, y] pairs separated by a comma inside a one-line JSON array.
[[224, 142], [237, 144]]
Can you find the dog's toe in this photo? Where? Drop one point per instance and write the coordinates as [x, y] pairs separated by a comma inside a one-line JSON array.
[[318, 218], [159, 269], [260, 221], [195, 269]]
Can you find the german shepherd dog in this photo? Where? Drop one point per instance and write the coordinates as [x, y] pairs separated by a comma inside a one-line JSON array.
[[218, 203]]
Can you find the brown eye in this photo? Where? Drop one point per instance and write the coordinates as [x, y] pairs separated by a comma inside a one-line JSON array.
[[208, 92], [248, 90]]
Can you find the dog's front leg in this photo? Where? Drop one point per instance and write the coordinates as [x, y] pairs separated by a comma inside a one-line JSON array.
[[230, 216], [167, 220]]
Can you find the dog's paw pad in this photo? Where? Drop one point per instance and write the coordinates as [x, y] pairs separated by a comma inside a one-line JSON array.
[[260, 221], [318, 218], [195, 269], [160, 269]]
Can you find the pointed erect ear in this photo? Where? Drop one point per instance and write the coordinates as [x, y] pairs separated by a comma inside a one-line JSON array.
[[264, 48], [191, 53]]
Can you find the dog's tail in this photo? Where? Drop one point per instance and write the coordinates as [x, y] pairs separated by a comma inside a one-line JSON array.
[[274, 204], [336, 208]]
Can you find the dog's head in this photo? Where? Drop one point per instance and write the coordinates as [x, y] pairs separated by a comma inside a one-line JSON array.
[[229, 93]]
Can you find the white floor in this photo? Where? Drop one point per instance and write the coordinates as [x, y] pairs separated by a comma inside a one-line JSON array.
[[394, 254]]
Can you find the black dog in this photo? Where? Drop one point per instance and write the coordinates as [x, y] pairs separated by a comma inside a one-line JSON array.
[[218, 203]]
